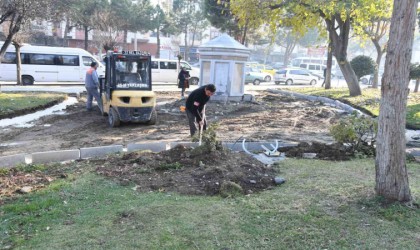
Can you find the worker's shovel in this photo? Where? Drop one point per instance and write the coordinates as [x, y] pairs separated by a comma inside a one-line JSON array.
[[201, 135]]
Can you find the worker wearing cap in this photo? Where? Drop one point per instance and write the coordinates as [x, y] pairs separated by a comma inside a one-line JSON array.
[[195, 107], [92, 85]]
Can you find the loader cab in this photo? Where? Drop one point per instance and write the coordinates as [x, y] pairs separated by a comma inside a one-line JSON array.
[[126, 91]]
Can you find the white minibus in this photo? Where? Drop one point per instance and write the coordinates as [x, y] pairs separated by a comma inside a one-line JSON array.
[[315, 69], [296, 62], [165, 70], [48, 64]]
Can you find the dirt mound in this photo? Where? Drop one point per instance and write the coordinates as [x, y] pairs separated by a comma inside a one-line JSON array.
[[190, 171], [334, 152]]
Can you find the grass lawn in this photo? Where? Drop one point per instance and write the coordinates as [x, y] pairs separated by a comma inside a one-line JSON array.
[[368, 101], [12, 104], [323, 205]]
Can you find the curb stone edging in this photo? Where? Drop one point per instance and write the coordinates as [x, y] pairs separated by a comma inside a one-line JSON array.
[[86, 153], [55, 156], [10, 161], [323, 99]]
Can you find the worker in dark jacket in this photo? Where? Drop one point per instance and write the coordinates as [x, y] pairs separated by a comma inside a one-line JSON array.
[[183, 83], [195, 107]]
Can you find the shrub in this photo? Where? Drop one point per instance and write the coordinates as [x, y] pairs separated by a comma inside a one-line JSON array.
[[358, 133], [169, 166], [209, 138], [363, 65], [414, 71]]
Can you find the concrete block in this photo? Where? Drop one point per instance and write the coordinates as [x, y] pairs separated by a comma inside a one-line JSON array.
[[99, 151], [256, 146], [55, 156], [412, 151], [154, 147], [184, 143], [11, 160], [219, 98], [248, 98]]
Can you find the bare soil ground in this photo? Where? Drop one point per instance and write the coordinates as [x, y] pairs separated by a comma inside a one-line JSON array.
[[182, 170], [268, 118]]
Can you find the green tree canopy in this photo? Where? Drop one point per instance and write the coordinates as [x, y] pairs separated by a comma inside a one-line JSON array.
[[336, 15], [363, 65]]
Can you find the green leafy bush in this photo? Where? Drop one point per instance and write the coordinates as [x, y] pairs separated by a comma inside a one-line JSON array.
[[169, 166], [209, 138], [414, 71], [358, 133], [363, 65]]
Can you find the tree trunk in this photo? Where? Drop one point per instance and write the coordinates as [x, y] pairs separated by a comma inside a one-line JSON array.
[[327, 79], [350, 77], [416, 89], [390, 164], [86, 36], [66, 27], [378, 62], [18, 65], [290, 46], [6, 44], [243, 38], [125, 39], [186, 44], [14, 27], [340, 43], [158, 42]]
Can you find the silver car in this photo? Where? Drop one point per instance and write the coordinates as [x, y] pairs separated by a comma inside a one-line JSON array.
[[295, 75]]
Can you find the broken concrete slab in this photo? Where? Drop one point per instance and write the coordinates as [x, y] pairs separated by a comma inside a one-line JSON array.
[[99, 151], [414, 152], [11, 160], [256, 146], [55, 156], [309, 155], [154, 147]]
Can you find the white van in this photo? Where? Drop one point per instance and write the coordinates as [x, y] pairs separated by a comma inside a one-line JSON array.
[[165, 70], [48, 64], [315, 69]]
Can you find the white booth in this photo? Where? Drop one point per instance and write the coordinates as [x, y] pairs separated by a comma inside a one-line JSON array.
[[222, 62]]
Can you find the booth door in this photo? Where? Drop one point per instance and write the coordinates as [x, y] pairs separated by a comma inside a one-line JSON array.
[[237, 85], [221, 77]]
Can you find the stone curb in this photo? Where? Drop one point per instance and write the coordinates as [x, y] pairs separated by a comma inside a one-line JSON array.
[[154, 147], [83, 153], [335, 103], [11, 160], [55, 156], [99, 151]]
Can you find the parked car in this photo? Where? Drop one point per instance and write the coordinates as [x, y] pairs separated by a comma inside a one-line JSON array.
[[368, 79], [270, 71], [295, 75], [254, 75]]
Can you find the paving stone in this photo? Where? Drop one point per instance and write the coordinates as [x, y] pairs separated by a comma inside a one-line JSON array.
[[55, 156], [154, 147], [255, 146], [99, 151], [184, 143], [11, 160], [414, 152]]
